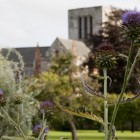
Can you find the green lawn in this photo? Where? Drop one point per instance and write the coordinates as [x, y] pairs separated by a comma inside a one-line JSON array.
[[90, 135], [93, 135]]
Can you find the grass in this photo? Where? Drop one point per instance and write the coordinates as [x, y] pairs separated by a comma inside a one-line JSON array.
[[89, 135], [93, 135]]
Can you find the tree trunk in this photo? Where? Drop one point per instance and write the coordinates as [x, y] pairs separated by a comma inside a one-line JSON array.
[[132, 125], [122, 126], [73, 129]]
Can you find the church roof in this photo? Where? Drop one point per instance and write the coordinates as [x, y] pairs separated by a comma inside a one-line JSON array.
[[28, 53], [80, 47]]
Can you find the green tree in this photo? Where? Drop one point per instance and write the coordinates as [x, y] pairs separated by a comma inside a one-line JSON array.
[[63, 83], [58, 83]]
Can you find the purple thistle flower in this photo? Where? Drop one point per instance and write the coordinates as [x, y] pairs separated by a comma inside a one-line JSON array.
[[46, 130], [131, 19], [1, 92], [1, 95], [2, 98], [37, 129], [46, 105]]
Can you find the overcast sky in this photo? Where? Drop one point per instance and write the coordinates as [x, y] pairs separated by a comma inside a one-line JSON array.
[[23, 23]]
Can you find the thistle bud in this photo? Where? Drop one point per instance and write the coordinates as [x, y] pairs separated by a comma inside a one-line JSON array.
[[46, 105], [105, 56], [18, 99]]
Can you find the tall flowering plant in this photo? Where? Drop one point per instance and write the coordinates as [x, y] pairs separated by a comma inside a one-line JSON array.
[[106, 58], [40, 128]]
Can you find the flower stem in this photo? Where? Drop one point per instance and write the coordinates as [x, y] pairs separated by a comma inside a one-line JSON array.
[[43, 126], [125, 82], [105, 104], [22, 133], [18, 115], [134, 62], [10, 119], [18, 123]]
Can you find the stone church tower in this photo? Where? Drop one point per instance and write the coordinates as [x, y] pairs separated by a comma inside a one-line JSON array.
[[86, 21]]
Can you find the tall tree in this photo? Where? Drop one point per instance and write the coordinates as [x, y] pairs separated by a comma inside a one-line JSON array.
[[63, 83], [59, 83]]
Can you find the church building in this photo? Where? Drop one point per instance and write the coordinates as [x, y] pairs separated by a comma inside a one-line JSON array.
[[81, 23], [86, 21]]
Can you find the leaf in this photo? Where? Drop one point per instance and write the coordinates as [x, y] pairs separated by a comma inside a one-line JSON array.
[[1, 115], [81, 114], [110, 80], [126, 100], [123, 55], [90, 91]]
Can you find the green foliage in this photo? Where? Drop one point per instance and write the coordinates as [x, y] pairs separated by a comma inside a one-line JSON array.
[[62, 84], [127, 118], [63, 64], [7, 76], [50, 85]]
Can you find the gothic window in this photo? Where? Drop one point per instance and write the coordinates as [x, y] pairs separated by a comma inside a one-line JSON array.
[[90, 24], [80, 27], [85, 27]]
